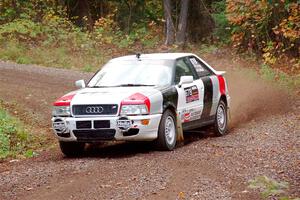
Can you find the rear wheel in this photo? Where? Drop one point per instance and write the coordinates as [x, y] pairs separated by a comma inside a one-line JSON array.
[[221, 119], [72, 149], [167, 132]]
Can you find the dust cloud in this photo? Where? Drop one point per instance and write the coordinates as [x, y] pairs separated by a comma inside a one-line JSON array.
[[252, 97]]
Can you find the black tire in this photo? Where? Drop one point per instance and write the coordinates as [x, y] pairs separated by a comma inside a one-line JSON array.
[[72, 149], [167, 141], [221, 119]]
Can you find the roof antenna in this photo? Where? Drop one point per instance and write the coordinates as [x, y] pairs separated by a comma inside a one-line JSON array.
[[138, 55]]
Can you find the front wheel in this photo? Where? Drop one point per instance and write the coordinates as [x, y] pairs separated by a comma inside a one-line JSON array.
[[72, 149], [221, 119], [167, 131]]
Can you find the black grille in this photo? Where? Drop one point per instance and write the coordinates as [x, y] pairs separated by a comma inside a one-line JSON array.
[[94, 134], [83, 124], [106, 109], [101, 124], [132, 131]]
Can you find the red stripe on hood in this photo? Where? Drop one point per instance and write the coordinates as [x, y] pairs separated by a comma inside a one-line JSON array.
[[64, 100]]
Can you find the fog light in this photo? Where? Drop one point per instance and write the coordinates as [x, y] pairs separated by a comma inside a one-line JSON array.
[[145, 121], [59, 126]]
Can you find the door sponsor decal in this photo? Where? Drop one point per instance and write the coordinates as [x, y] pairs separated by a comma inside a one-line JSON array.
[[191, 94], [190, 114]]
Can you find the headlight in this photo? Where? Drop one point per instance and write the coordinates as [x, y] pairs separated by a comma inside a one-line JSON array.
[[61, 111], [134, 110]]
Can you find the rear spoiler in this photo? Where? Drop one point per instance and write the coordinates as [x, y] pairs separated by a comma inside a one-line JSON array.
[[220, 72]]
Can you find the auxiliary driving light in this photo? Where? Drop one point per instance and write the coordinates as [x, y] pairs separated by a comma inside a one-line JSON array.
[[59, 126]]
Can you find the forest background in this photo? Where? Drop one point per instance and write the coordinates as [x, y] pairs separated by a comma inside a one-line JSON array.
[[84, 34]]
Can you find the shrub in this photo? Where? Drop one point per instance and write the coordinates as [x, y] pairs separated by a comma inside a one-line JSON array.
[[222, 30], [14, 139], [270, 188], [269, 28]]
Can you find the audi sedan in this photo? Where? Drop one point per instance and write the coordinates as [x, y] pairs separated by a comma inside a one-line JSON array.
[[143, 97]]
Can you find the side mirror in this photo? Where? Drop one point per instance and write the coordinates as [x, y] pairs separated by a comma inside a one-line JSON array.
[[80, 84], [185, 80]]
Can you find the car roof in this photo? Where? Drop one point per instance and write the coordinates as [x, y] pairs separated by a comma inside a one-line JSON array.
[[154, 56]]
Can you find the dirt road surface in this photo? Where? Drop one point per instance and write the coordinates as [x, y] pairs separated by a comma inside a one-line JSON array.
[[264, 140]]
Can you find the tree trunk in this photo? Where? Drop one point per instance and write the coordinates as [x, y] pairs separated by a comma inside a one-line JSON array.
[[200, 21], [169, 27], [82, 11], [129, 6], [182, 30]]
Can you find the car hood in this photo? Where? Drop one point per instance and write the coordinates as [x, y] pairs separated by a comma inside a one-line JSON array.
[[111, 95]]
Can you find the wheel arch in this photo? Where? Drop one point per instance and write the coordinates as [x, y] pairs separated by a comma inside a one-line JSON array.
[[171, 107], [224, 98]]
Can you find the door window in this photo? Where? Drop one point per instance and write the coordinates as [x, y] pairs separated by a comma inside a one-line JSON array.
[[183, 69], [200, 67]]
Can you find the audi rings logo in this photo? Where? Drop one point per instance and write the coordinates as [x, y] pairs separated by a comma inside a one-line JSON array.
[[94, 110]]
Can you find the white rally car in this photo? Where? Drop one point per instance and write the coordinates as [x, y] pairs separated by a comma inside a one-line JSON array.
[[143, 97]]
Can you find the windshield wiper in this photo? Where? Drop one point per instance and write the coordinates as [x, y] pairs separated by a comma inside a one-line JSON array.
[[100, 86], [131, 85], [121, 85]]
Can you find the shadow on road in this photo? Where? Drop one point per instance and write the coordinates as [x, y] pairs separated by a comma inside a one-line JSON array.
[[117, 149], [128, 149], [198, 134]]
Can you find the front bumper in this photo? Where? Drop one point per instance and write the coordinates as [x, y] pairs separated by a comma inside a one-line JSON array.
[[137, 131]]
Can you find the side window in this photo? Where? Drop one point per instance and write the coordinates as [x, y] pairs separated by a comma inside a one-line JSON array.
[[200, 67], [182, 69]]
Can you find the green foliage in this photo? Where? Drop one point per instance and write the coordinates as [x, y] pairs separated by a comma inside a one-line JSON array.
[[61, 33], [4, 143], [270, 187], [88, 68], [14, 139], [53, 40], [269, 28], [204, 48], [11, 50], [267, 73], [21, 29], [30, 153], [139, 12], [222, 30]]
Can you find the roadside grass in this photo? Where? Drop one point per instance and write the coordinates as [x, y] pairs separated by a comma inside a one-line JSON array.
[[91, 59], [15, 139], [281, 78], [208, 48], [60, 57], [55, 41], [85, 54], [270, 188]]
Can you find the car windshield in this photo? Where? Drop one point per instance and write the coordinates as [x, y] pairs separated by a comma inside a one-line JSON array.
[[133, 73]]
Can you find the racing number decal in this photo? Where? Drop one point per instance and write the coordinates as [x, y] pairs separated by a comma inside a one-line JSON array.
[[191, 94], [194, 113]]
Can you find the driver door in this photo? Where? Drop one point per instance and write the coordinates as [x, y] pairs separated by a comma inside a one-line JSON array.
[[190, 100]]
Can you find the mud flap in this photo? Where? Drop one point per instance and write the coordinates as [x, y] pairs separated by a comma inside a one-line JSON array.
[[229, 117], [180, 137]]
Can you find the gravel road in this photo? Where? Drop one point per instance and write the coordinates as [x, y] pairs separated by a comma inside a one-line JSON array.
[[264, 140]]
